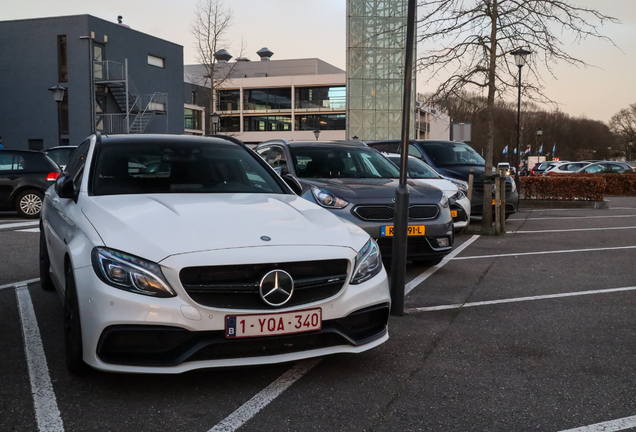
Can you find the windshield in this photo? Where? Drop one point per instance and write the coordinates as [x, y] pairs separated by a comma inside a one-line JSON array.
[[451, 153], [177, 167], [341, 162], [60, 156], [416, 168]]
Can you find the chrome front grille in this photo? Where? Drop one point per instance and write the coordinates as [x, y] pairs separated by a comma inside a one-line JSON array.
[[382, 213], [237, 286]]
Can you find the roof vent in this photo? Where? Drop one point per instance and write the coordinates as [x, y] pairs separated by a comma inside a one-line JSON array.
[[244, 59], [264, 54], [222, 56]]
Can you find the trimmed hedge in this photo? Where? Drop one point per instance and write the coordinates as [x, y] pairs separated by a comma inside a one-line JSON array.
[[616, 184], [563, 187]]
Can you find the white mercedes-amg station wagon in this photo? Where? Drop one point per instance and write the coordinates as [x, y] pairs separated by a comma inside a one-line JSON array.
[[172, 253]]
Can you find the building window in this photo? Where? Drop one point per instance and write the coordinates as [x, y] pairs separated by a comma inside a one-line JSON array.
[[192, 119], [230, 124], [194, 97], [321, 122], [269, 123], [156, 61], [36, 144], [228, 100], [267, 99], [98, 58], [321, 97], [62, 69]]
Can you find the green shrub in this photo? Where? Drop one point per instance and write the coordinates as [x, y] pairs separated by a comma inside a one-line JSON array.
[[563, 187]]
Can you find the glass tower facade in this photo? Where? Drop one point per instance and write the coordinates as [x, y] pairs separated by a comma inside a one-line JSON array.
[[376, 40]]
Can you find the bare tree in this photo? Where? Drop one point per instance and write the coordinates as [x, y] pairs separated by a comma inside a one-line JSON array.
[[471, 40], [209, 27], [623, 124]]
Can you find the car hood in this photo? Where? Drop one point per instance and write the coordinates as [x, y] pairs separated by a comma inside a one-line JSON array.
[[447, 187], [378, 189], [461, 172], [157, 226]]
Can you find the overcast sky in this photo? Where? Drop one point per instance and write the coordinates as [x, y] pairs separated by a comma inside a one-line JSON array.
[[316, 28]]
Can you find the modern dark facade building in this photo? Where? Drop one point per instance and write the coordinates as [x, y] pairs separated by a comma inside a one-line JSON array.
[[106, 76]]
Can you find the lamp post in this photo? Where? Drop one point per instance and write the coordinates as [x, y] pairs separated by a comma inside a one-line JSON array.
[[630, 144], [214, 120], [520, 56], [316, 133], [536, 142], [58, 95], [609, 152]]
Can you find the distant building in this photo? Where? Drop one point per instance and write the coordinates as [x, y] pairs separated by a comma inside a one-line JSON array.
[[431, 121], [270, 99], [85, 58], [287, 99]]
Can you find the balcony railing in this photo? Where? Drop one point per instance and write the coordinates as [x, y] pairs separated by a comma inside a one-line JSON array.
[[111, 123], [108, 71]]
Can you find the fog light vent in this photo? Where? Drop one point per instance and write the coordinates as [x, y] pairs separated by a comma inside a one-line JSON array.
[[442, 241]]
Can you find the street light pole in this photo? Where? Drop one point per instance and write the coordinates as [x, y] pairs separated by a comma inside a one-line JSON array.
[[317, 133], [536, 142], [630, 144], [520, 59], [58, 94], [214, 117]]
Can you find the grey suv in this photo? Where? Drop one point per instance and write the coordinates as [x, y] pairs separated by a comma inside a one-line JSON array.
[[358, 184], [454, 160]]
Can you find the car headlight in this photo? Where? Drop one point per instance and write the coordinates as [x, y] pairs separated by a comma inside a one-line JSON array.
[[327, 199], [368, 263], [459, 195], [130, 273], [443, 201], [462, 185]]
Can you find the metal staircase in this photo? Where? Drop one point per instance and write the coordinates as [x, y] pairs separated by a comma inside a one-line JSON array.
[[136, 110]]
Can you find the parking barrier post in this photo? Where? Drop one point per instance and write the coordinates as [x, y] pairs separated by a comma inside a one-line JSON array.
[[497, 204], [470, 184], [503, 177]]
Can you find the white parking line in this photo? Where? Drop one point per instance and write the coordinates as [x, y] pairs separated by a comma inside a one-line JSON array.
[[544, 252], [250, 408], [17, 284], [421, 278], [519, 299], [47, 413], [18, 225], [608, 426], [570, 230], [573, 217]]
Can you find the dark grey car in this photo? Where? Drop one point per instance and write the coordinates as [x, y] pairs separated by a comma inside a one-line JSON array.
[[358, 184]]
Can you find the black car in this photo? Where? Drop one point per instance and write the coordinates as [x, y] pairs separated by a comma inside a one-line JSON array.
[[60, 155], [358, 184], [24, 176], [454, 160]]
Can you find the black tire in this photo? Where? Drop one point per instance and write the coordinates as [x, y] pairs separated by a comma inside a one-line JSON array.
[[73, 328], [28, 203], [45, 264]]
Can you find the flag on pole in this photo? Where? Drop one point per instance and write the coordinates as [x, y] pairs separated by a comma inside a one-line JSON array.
[[527, 152], [505, 150], [541, 149], [553, 149], [515, 150]]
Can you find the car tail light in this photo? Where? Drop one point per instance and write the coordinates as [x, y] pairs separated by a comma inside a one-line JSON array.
[[532, 171], [52, 176]]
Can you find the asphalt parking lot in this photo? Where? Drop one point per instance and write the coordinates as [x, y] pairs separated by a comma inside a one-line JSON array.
[[531, 331]]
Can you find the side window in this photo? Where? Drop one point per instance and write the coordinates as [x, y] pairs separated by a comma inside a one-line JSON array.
[[11, 162], [413, 151], [263, 152], [276, 158]]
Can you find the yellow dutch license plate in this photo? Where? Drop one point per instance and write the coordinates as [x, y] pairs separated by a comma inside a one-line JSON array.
[[454, 213], [493, 202], [413, 230]]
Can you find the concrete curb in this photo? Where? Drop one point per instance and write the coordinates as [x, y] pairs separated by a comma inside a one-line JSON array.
[[553, 204]]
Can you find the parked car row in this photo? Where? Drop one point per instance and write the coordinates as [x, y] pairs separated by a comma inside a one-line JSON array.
[[172, 253], [586, 167]]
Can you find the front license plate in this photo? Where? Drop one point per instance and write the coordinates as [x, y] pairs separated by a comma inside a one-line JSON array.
[[237, 326], [454, 213], [493, 202], [413, 230]]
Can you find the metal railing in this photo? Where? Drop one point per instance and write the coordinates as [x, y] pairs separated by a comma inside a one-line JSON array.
[[111, 123], [108, 71]]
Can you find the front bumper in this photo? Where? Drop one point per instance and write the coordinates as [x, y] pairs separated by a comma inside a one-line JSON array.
[[127, 332]]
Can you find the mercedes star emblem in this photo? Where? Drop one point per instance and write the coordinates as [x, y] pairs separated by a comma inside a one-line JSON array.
[[276, 287]]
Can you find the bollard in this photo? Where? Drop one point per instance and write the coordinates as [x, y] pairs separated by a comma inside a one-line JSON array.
[[470, 185], [503, 180], [497, 204]]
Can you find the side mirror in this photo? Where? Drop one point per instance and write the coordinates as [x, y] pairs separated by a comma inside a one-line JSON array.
[[64, 187], [293, 183]]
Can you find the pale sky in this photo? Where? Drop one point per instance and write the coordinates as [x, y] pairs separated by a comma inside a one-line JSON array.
[[316, 28]]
